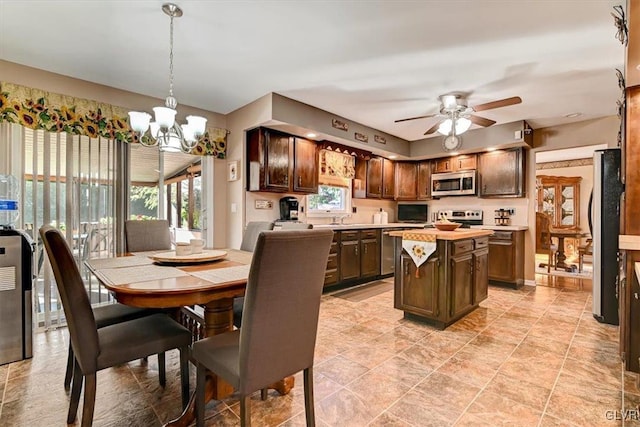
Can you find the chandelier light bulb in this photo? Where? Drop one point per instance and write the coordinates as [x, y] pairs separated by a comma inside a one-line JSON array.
[[198, 124]]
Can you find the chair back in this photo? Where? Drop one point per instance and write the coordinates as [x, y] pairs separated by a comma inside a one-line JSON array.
[[296, 226], [75, 301], [250, 237], [147, 235], [281, 306], [543, 236]]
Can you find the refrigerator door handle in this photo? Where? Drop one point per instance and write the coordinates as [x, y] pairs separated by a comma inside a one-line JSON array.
[[590, 212]]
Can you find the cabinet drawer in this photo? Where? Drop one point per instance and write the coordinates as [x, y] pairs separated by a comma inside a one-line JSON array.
[[462, 246], [502, 235], [482, 242], [332, 261], [330, 277], [368, 234], [349, 235]]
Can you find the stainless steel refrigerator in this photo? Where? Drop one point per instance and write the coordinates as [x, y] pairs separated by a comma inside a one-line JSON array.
[[604, 222]]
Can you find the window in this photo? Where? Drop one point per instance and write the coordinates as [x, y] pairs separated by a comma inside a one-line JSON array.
[[329, 201]]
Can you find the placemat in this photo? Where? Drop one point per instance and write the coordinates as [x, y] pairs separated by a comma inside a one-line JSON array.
[[141, 273], [118, 262], [221, 275]]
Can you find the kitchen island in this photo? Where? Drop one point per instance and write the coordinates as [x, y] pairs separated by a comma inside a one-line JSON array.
[[450, 283]]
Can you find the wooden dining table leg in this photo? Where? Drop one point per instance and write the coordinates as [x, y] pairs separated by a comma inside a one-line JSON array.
[[218, 319]]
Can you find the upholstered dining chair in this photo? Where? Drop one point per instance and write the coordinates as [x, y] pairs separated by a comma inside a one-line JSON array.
[[249, 239], [296, 226], [97, 349], [544, 242], [278, 336], [147, 235]]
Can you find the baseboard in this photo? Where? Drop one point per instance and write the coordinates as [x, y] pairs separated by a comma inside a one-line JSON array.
[[530, 283]]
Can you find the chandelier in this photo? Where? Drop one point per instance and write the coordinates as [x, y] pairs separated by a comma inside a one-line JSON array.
[[165, 133], [455, 108]]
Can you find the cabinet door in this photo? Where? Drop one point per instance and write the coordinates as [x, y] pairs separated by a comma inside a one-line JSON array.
[[424, 180], [501, 260], [559, 197], [374, 178], [276, 161], [418, 293], [466, 162], [461, 284], [443, 165], [388, 179], [305, 166], [480, 278], [501, 173], [369, 258], [349, 260], [406, 181]]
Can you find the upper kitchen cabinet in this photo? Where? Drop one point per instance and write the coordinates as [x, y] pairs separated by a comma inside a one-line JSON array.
[[380, 178], [406, 181], [501, 173], [281, 163], [559, 197], [424, 180], [455, 163]]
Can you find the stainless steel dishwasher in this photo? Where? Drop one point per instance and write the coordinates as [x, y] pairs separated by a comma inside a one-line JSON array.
[[387, 261]]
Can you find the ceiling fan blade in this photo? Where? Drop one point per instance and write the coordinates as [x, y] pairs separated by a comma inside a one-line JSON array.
[[481, 121], [497, 104], [415, 118], [433, 128]]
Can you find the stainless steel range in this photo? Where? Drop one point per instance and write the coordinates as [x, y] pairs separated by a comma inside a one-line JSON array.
[[467, 217]]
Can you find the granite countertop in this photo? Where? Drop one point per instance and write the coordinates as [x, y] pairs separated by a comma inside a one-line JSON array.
[[459, 234], [362, 226], [502, 227]]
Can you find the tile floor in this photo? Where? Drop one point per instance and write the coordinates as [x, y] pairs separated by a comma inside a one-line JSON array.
[[531, 357]]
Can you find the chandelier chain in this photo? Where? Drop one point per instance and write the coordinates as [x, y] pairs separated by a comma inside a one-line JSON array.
[[171, 56]]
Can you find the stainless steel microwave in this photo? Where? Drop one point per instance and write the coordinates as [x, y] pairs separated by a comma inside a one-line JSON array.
[[453, 184]]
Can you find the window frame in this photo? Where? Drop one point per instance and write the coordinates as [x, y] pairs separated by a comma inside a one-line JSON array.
[[329, 213]]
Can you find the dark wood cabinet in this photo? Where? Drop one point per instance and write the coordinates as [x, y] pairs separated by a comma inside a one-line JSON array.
[[461, 273], [380, 178], [331, 275], [370, 253], [501, 173], [506, 258], [417, 290], [450, 284], [305, 166], [455, 163], [406, 182], [358, 254], [424, 180], [480, 273], [278, 162]]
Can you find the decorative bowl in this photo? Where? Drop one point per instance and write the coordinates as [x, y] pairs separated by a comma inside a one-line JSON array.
[[446, 226]]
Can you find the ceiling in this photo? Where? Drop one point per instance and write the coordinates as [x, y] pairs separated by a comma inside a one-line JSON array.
[[371, 62]]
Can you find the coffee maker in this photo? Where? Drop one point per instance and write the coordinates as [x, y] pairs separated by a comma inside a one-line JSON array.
[[288, 209]]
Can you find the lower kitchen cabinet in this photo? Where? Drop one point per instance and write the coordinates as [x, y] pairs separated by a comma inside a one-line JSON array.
[[354, 257], [506, 258], [450, 284]]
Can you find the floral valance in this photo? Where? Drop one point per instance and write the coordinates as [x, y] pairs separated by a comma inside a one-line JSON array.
[[336, 168], [51, 112]]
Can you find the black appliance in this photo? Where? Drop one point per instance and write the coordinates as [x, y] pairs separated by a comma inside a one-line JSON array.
[[604, 223], [288, 209], [415, 213], [16, 279]]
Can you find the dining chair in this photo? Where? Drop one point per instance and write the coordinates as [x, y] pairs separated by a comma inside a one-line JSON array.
[[147, 235], [544, 242], [586, 249], [99, 348], [296, 226], [249, 239], [278, 336]]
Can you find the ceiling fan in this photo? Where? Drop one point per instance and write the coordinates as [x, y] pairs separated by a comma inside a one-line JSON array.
[[456, 116]]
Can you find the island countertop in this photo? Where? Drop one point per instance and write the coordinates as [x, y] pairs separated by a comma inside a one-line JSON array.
[[459, 234]]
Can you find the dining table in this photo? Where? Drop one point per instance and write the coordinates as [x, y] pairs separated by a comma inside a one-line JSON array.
[[152, 280], [561, 234]]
